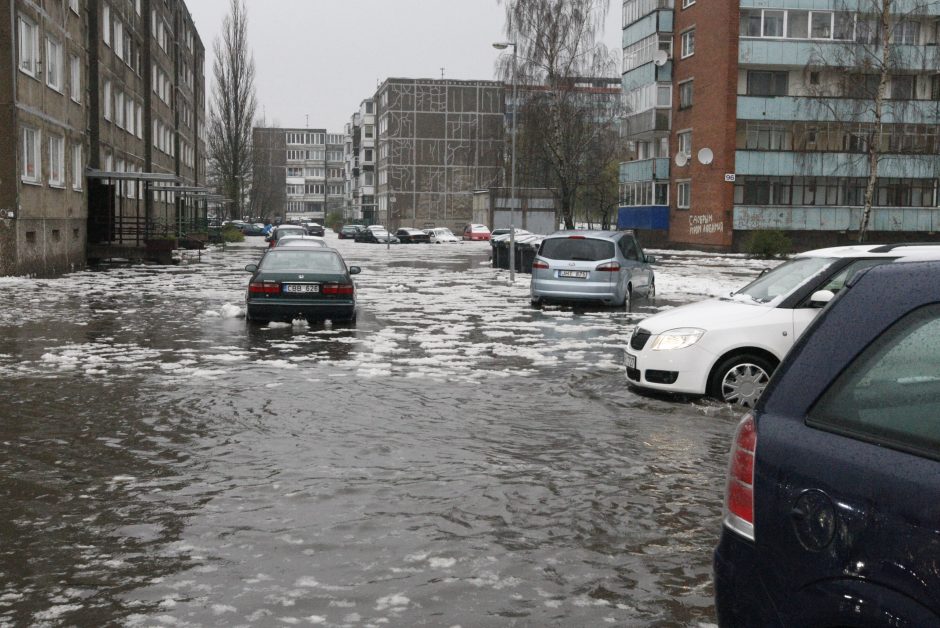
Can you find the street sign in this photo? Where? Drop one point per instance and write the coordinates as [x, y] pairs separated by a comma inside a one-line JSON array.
[[729, 178]]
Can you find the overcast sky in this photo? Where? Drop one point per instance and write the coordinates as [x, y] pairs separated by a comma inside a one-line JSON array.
[[323, 57]]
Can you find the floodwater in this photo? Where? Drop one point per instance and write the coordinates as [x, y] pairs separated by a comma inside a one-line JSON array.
[[458, 458]]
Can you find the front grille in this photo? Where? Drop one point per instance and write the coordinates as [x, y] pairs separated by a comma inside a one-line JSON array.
[[639, 339], [633, 374]]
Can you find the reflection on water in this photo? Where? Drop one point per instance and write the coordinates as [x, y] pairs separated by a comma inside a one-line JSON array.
[[161, 463]]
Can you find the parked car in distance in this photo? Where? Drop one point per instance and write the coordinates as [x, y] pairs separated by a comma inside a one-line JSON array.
[[282, 230], [412, 236], [349, 231], [376, 235], [729, 347], [504, 231], [314, 229], [831, 516], [476, 232], [442, 235], [300, 240], [252, 229], [605, 266], [293, 282]]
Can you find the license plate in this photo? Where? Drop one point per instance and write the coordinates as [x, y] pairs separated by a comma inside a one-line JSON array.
[[576, 274], [630, 360], [301, 287]]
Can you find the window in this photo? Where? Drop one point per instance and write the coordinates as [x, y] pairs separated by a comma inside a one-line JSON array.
[[370, 107], [75, 78], [119, 109], [31, 165], [814, 78], [773, 24], [687, 3], [78, 168], [106, 24], [73, 4], [685, 95], [664, 96], [29, 47], [935, 87], [765, 83], [107, 100], [53, 64], [890, 394], [902, 87], [820, 25], [688, 43], [56, 161], [683, 194], [367, 155], [685, 143], [907, 32], [798, 24], [750, 24], [119, 39]]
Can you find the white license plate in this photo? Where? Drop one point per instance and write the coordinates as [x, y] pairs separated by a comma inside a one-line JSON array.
[[576, 274], [301, 287], [630, 360]]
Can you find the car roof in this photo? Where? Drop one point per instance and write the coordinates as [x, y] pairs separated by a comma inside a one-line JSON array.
[[603, 235], [914, 250]]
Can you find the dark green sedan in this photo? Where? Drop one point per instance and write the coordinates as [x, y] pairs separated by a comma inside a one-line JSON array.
[[290, 283]]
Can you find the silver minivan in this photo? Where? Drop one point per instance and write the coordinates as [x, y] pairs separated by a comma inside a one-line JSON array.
[[605, 266]]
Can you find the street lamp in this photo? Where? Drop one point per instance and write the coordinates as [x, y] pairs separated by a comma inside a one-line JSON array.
[[512, 186]]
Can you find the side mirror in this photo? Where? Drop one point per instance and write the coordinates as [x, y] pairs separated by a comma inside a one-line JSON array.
[[821, 297], [763, 272], [252, 268], [650, 259], [354, 270]]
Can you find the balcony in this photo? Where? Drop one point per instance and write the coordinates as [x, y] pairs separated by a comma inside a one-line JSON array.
[[796, 164], [647, 122], [796, 108], [912, 219], [656, 22], [644, 170], [799, 53]]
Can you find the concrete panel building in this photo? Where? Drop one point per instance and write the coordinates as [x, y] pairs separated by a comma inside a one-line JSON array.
[[360, 165]]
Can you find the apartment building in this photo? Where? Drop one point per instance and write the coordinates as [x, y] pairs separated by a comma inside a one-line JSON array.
[[106, 101], [754, 115], [437, 142], [360, 165]]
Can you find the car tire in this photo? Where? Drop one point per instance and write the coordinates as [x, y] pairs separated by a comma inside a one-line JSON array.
[[740, 379], [627, 298], [652, 290]]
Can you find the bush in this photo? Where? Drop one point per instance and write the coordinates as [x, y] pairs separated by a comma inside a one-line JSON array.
[[232, 234], [334, 221], [769, 244]]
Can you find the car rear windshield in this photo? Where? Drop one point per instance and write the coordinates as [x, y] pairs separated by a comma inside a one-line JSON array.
[[577, 249], [310, 261]]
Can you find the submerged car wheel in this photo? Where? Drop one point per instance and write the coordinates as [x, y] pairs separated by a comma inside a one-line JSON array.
[[628, 298], [652, 290], [740, 379]]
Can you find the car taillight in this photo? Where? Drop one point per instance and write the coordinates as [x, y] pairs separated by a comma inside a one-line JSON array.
[[337, 288], [264, 287], [575, 237], [739, 497], [610, 267], [540, 264]]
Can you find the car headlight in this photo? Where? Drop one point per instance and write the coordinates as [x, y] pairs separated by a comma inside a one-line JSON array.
[[677, 338]]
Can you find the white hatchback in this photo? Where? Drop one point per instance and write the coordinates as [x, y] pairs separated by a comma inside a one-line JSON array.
[[441, 235], [729, 347]]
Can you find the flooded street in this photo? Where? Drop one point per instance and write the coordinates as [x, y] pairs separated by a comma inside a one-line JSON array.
[[457, 458]]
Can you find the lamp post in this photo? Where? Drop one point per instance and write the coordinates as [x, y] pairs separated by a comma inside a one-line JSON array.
[[512, 185]]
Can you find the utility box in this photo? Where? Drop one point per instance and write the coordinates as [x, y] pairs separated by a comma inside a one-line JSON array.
[[532, 209]]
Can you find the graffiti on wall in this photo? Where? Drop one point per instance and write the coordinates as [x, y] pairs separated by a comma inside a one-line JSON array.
[[705, 223]]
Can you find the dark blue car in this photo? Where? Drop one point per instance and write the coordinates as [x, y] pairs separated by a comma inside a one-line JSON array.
[[832, 514]]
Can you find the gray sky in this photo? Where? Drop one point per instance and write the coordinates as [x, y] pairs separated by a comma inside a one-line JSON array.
[[323, 57]]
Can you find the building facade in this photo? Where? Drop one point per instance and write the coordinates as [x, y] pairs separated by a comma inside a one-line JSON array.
[[761, 116], [360, 165], [437, 142], [106, 101]]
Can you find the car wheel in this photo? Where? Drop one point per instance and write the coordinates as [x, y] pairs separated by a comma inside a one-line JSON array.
[[536, 302], [652, 290], [740, 379], [628, 298]]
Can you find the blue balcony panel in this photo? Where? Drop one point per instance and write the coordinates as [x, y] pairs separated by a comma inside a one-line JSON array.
[[643, 217], [646, 74], [799, 53], [644, 170], [899, 7], [793, 164], [802, 109], [655, 22], [911, 219]]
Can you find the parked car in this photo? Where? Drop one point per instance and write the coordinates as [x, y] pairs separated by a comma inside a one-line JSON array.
[[375, 235], [300, 240], [349, 231], [605, 266], [282, 230], [295, 282], [442, 235], [504, 231], [314, 229], [412, 236], [831, 516], [476, 232], [729, 347], [252, 229]]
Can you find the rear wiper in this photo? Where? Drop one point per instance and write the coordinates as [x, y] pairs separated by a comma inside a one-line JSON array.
[[581, 259]]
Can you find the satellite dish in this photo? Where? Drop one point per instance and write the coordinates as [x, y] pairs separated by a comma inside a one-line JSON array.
[[681, 159], [705, 156], [660, 57]]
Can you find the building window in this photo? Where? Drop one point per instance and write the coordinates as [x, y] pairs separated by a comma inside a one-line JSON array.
[[31, 165], [685, 143], [764, 83], [773, 24], [56, 161], [935, 87], [106, 24], [78, 168], [687, 3], [370, 107], [54, 64], [685, 94], [73, 4], [75, 78], [29, 47], [902, 87], [683, 194], [688, 43], [107, 100], [664, 96]]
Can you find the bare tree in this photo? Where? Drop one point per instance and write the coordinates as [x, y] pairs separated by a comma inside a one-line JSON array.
[[232, 111], [865, 81], [269, 151], [567, 116]]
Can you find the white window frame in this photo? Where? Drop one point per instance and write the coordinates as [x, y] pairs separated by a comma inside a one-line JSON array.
[[106, 24], [685, 137], [684, 200], [686, 37], [690, 83], [54, 58], [107, 100], [73, 4], [31, 146], [78, 167], [29, 60], [75, 78], [119, 39], [56, 161], [687, 3]]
